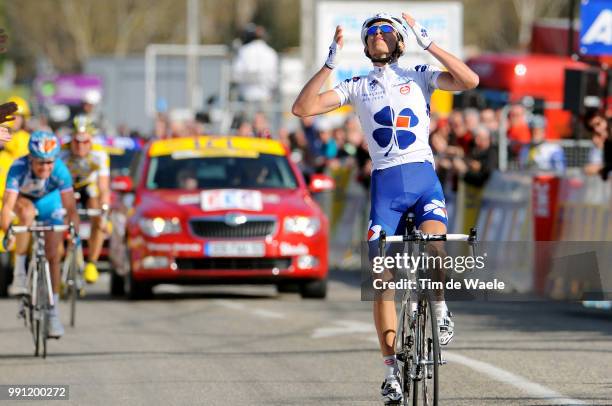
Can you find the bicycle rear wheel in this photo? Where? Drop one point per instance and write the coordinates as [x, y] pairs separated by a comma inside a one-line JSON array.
[[426, 385]]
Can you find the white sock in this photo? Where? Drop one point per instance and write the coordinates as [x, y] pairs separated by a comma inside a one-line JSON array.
[[440, 308], [55, 308], [20, 261], [391, 368]]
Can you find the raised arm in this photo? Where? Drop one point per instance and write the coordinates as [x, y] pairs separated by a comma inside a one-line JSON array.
[[310, 101], [459, 75]]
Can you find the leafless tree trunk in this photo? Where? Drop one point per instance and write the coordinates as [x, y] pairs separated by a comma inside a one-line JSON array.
[[528, 11]]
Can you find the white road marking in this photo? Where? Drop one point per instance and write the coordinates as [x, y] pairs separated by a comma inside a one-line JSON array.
[[503, 376], [533, 389], [267, 314], [343, 327], [169, 289], [231, 305]]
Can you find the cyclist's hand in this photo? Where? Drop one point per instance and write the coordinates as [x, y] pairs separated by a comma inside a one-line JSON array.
[[421, 34], [104, 223], [333, 58], [104, 217], [8, 241], [75, 241]]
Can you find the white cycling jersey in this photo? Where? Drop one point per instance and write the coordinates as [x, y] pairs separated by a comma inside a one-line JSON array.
[[392, 103], [87, 170]]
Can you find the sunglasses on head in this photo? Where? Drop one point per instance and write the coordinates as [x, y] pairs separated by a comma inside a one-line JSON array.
[[384, 28]]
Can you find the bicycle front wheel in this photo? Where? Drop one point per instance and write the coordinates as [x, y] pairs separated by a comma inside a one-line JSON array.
[[404, 349], [43, 307], [426, 384], [72, 287], [44, 332]]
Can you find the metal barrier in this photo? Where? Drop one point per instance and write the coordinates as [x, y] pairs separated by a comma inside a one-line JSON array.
[[502, 211], [576, 154]]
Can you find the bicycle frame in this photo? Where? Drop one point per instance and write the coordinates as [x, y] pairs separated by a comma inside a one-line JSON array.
[[40, 300], [421, 355]]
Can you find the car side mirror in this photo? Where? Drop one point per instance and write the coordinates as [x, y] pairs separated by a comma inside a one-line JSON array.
[[122, 184], [321, 183]]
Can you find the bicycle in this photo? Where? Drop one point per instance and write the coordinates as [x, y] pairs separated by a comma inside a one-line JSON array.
[[73, 284], [417, 345], [35, 305]]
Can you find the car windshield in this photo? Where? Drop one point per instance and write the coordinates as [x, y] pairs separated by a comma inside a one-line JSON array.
[[120, 163], [263, 172]]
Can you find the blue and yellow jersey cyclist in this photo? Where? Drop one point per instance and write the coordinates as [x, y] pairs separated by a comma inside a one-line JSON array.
[[38, 187]]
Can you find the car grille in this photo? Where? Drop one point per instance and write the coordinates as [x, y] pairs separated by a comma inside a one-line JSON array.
[[219, 229], [233, 263]]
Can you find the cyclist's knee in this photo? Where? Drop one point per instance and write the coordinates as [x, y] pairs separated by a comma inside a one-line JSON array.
[[25, 211]]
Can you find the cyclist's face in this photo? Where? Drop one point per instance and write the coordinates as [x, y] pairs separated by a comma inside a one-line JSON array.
[[42, 168], [81, 145], [381, 43]]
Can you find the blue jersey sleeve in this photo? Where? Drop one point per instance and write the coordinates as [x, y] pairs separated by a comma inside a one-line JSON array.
[[61, 176], [14, 175]]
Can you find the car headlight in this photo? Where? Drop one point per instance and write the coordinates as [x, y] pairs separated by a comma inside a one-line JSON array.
[[154, 227], [307, 226]]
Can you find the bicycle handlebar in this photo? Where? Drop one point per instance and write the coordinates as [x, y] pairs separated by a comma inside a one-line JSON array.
[[418, 236], [429, 237], [27, 229], [91, 212]]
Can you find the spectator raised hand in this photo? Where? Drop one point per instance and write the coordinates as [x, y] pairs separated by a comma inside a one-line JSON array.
[[6, 111]]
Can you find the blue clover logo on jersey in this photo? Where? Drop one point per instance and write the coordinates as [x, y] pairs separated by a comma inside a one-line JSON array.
[[385, 136]]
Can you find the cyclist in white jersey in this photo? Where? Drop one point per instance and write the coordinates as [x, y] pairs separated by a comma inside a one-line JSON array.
[[393, 106]]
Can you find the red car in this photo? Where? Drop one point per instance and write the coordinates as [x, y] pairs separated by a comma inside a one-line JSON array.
[[211, 209]]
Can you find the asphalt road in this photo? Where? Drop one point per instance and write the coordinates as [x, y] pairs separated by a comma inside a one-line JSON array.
[[250, 346]]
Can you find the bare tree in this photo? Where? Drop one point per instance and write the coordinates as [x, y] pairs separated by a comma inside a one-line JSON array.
[[528, 11], [74, 30], [68, 32]]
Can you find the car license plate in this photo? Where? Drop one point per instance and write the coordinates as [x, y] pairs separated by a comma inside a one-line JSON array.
[[227, 199], [235, 249]]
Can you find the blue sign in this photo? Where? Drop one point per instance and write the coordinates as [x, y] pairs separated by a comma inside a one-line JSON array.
[[596, 31]]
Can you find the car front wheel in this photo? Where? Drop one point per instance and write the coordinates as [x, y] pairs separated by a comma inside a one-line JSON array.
[[316, 289], [117, 284], [136, 290]]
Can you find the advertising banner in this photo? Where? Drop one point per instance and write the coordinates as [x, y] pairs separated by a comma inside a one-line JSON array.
[[596, 31], [68, 89]]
